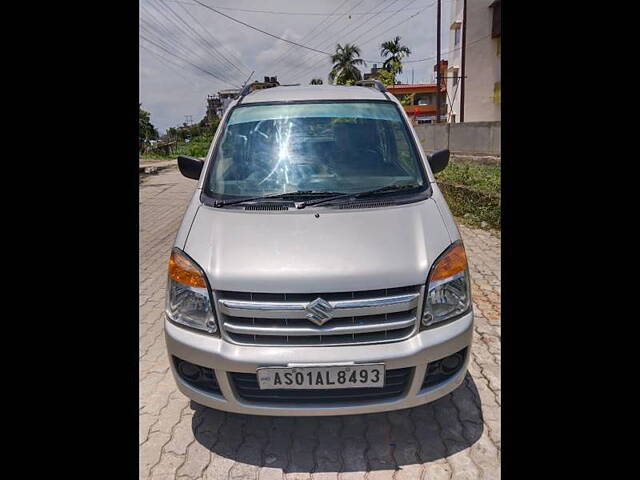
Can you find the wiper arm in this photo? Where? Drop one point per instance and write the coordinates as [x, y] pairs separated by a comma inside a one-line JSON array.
[[223, 203], [388, 188]]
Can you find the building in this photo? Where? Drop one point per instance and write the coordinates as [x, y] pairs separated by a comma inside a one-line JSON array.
[[226, 96], [217, 104], [419, 99], [269, 82], [214, 106], [373, 74], [482, 60]]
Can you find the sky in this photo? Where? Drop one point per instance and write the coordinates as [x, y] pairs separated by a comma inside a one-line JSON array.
[[214, 52]]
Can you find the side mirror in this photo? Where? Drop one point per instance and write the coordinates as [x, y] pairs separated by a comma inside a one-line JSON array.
[[190, 167], [439, 160]]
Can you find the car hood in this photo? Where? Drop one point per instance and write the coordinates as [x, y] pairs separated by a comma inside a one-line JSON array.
[[301, 252]]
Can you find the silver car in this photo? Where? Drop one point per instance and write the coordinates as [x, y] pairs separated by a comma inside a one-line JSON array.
[[318, 269]]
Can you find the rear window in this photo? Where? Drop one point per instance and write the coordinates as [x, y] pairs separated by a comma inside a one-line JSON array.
[[334, 147]]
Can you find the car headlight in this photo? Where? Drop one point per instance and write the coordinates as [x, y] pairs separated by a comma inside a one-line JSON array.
[[448, 292], [188, 300]]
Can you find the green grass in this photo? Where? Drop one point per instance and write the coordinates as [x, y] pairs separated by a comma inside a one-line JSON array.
[[485, 178], [197, 147], [473, 192]]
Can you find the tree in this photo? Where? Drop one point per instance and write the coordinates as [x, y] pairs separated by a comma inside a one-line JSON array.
[[386, 77], [146, 130], [345, 61], [396, 52], [315, 81]]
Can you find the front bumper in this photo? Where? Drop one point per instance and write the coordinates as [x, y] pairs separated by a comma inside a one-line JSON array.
[[224, 357]]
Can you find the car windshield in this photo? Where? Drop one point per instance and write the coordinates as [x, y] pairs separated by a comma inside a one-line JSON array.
[[320, 147]]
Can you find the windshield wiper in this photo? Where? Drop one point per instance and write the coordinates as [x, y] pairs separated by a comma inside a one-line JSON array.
[[223, 203], [388, 188]]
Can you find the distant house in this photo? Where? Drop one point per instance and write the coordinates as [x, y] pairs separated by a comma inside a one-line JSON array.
[[373, 74], [419, 99], [226, 96], [269, 82], [218, 104], [482, 60]]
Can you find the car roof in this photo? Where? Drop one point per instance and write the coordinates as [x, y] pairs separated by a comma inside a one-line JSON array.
[[313, 92]]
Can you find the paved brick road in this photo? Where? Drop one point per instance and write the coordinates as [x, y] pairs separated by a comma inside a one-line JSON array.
[[457, 436]]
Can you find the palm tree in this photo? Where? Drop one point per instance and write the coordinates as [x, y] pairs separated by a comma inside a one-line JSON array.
[[345, 61], [315, 81], [396, 53]]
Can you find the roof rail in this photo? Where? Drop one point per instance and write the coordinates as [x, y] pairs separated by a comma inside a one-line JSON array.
[[244, 92], [377, 84]]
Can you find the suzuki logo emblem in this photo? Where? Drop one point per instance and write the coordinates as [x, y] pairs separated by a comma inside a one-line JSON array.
[[319, 311]]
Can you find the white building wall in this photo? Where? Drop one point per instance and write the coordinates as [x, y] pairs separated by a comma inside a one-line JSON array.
[[482, 62]]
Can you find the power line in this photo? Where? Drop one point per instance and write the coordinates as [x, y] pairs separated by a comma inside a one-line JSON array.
[[374, 16], [185, 60], [168, 63], [305, 66], [192, 35], [306, 58], [307, 38], [246, 10], [170, 40], [176, 49], [371, 18], [219, 43], [202, 37], [305, 72], [383, 21], [447, 51], [396, 25], [415, 61], [260, 30]]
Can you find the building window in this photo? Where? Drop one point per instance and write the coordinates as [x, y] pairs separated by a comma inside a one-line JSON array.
[[496, 93], [457, 36], [497, 18], [498, 45], [455, 77]]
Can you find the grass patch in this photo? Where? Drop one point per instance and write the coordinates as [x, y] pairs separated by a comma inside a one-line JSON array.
[[197, 147], [473, 192]]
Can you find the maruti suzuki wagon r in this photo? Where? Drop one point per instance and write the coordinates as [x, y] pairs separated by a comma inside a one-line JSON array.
[[318, 269]]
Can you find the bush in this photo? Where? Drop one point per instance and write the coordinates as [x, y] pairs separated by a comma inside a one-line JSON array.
[[197, 147], [472, 192]]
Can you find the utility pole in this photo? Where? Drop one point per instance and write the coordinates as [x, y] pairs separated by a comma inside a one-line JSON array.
[[438, 65], [464, 48]]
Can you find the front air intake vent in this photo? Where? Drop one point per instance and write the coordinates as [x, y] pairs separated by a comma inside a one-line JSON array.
[[267, 206], [365, 205]]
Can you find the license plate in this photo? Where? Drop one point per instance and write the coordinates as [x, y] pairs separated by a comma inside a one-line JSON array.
[[321, 377]]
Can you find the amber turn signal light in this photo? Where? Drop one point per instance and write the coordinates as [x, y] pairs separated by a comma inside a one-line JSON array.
[[183, 270], [452, 262]]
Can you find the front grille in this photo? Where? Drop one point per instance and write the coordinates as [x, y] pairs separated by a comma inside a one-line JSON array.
[[359, 317], [395, 385]]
